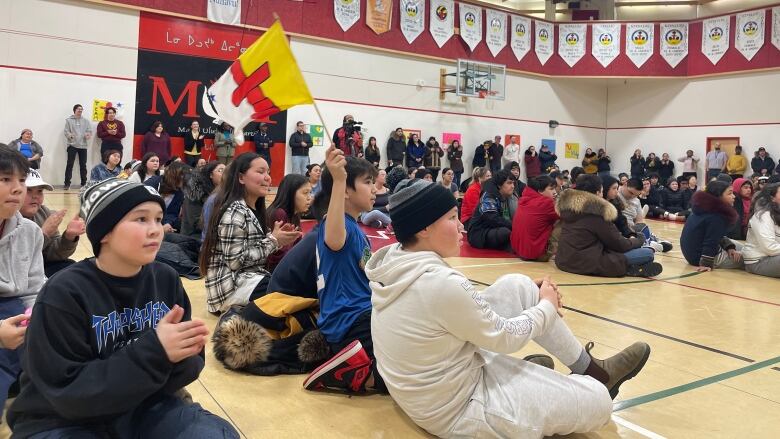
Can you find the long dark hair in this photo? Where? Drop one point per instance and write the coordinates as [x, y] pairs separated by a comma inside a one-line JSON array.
[[375, 147], [285, 200], [228, 192], [173, 179], [763, 202], [142, 169]]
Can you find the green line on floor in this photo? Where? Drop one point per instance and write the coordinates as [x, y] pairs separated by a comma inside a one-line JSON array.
[[640, 281], [622, 405]]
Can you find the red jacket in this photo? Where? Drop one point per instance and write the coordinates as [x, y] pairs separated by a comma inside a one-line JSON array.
[[532, 225], [470, 201]]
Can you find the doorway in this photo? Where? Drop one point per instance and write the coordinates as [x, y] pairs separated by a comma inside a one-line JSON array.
[[727, 144]]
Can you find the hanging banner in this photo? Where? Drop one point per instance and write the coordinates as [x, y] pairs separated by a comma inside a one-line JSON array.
[[750, 33], [543, 44], [224, 11], [674, 42], [776, 27], [379, 15], [715, 38], [639, 42], [605, 46], [521, 36], [412, 19], [571, 42], [495, 36], [347, 13], [442, 21], [470, 24]]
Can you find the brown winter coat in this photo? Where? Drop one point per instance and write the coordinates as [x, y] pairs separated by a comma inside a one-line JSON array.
[[590, 243]]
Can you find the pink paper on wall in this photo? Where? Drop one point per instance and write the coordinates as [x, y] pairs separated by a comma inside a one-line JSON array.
[[447, 138]]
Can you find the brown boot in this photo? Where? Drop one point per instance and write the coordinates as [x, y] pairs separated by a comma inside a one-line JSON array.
[[618, 368], [541, 360]]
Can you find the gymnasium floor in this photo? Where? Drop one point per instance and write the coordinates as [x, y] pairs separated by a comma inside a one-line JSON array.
[[714, 371]]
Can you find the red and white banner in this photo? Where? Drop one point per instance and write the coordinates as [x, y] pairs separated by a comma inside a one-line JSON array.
[[347, 13], [543, 43], [749, 36], [412, 19], [571, 42], [495, 35], [470, 24], [674, 42], [605, 44], [442, 21], [639, 42], [715, 38], [521, 36]]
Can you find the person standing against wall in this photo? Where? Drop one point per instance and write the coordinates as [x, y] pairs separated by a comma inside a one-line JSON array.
[[111, 131], [78, 132], [300, 142], [495, 153], [665, 169], [762, 164], [193, 144], [156, 140], [225, 144], [263, 143], [396, 148], [455, 156], [715, 162], [737, 164], [511, 151], [690, 164]]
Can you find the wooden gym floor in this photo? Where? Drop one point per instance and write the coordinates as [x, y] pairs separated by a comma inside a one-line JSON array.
[[714, 371]]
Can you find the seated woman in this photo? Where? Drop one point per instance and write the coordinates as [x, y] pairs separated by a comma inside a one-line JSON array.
[[514, 169], [471, 198], [422, 174], [703, 241], [293, 199], [762, 249], [590, 244], [443, 348], [200, 184], [534, 234], [169, 186], [149, 167], [237, 242], [109, 168], [743, 194], [651, 197], [610, 187], [674, 201], [313, 173], [378, 217], [447, 180], [491, 225]]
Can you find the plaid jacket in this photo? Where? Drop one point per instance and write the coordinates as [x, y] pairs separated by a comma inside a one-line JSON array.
[[241, 252]]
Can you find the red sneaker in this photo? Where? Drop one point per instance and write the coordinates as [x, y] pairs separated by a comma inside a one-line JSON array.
[[347, 370]]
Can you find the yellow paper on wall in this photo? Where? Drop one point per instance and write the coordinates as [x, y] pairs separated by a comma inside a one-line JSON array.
[[572, 150]]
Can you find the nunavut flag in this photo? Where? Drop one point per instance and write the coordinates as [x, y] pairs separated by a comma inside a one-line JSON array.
[[264, 80]]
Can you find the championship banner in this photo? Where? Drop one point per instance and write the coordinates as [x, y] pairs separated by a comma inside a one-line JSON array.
[[605, 46], [715, 38], [521, 36], [776, 27], [224, 11], [470, 24], [571, 42], [495, 36], [674, 42], [379, 15], [750, 33], [412, 19], [442, 20], [639, 42], [347, 13], [543, 44]]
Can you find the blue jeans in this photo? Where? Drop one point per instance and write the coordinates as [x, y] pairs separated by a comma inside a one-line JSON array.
[[604, 174], [711, 173], [639, 256], [372, 217], [169, 417], [299, 163], [10, 367]]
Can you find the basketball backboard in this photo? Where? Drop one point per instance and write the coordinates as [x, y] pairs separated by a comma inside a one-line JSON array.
[[481, 80]]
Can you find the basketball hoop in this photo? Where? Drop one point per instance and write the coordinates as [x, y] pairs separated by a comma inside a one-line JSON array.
[[483, 94]]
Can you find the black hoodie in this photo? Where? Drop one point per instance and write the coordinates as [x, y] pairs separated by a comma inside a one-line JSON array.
[[92, 352]]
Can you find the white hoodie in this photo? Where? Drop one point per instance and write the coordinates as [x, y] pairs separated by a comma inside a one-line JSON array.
[[428, 325], [21, 260]]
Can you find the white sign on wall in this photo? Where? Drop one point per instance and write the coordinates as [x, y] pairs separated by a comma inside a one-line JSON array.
[[412, 19], [776, 27], [571, 42], [521, 36], [442, 22], [543, 43], [470, 24], [749, 36], [224, 11], [605, 46], [347, 13], [495, 34], [639, 42], [674, 42], [715, 38]]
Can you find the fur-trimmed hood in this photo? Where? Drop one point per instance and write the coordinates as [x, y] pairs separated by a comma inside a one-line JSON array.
[[704, 203], [573, 203], [197, 187]]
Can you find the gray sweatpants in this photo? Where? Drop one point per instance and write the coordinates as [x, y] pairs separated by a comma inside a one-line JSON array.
[[768, 266], [519, 399], [722, 259]]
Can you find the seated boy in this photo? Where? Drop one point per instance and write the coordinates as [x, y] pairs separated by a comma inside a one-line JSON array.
[[442, 347], [21, 265], [111, 341], [345, 297]]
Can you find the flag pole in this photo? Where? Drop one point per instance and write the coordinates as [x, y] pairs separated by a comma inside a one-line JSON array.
[[322, 119]]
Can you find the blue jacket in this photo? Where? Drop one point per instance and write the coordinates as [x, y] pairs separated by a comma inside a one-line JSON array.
[[704, 233]]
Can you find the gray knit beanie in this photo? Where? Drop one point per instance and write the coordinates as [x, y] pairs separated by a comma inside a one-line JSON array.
[[104, 204], [417, 206]]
